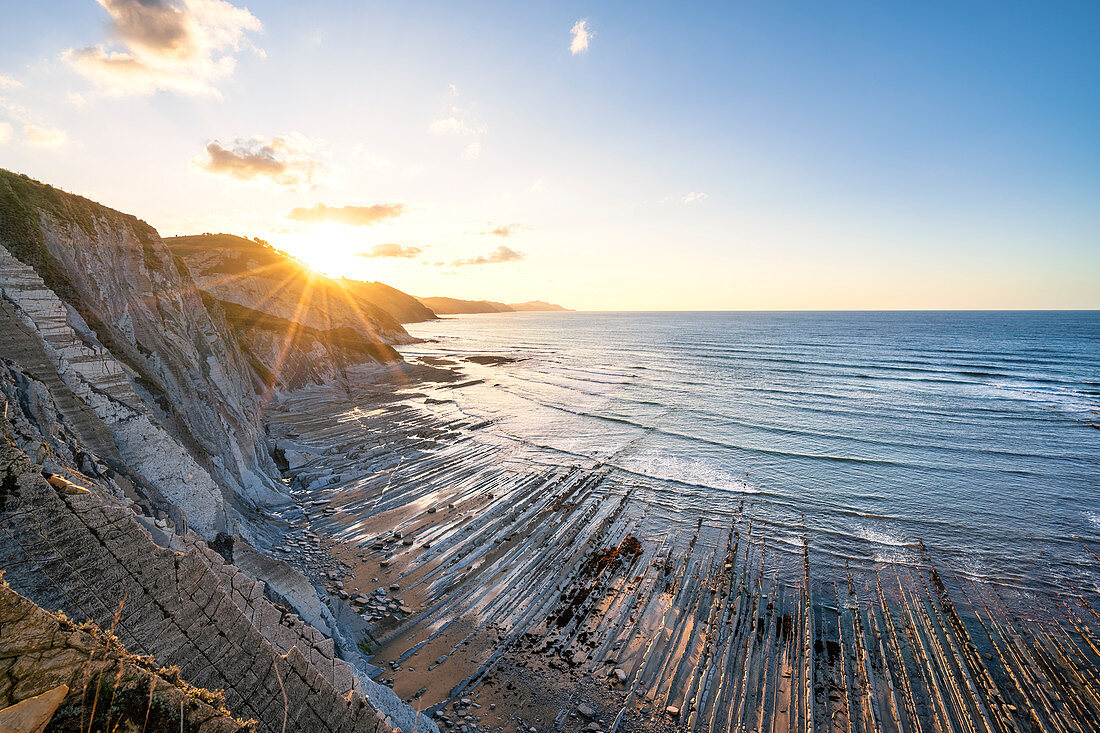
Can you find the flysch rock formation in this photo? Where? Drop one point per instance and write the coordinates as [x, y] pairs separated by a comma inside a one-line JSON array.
[[78, 677], [91, 556], [123, 381]]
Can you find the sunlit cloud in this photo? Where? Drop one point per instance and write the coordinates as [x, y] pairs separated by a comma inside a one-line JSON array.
[[689, 198], [44, 137], [472, 151], [287, 161], [498, 255], [76, 100], [506, 230], [5, 132], [349, 215], [538, 186], [458, 123], [581, 33], [391, 250], [360, 152], [183, 46], [7, 82]]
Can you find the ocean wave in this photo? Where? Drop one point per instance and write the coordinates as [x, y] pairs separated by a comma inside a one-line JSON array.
[[692, 471], [1065, 399], [880, 537]]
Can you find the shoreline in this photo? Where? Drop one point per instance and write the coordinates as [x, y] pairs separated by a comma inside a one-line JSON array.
[[508, 586]]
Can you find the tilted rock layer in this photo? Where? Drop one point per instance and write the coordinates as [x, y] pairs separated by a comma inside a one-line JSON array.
[[142, 397]]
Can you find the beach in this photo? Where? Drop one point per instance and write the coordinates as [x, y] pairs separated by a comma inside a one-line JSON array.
[[565, 595]]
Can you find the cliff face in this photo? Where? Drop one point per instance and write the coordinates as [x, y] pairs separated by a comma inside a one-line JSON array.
[[253, 275], [133, 433], [85, 551], [401, 306], [76, 676], [129, 335]]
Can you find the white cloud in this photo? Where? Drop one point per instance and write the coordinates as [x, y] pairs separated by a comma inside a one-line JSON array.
[[7, 82], [5, 132], [44, 137], [287, 161], [689, 198], [183, 46], [458, 123], [581, 33], [538, 186], [472, 151], [76, 100], [497, 256], [349, 215]]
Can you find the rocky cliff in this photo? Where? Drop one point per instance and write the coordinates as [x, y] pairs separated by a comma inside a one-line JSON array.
[[128, 334], [257, 276], [133, 435], [77, 677]]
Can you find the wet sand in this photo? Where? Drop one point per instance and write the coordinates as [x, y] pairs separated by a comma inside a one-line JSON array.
[[505, 594]]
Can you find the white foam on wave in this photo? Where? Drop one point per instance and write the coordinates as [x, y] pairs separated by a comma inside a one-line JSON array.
[[888, 548], [879, 536], [1062, 398], [1094, 519], [696, 471]]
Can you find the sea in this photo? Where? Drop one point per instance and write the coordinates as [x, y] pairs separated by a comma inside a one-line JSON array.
[[873, 437]]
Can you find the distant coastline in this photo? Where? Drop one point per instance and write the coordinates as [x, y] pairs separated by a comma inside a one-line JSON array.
[[452, 306]]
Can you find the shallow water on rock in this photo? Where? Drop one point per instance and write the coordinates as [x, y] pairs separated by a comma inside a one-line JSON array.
[[864, 432]]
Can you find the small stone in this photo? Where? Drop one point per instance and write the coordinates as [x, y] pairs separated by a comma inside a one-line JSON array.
[[593, 726], [34, 713], [586, 711], [673, 711], [620, 674]]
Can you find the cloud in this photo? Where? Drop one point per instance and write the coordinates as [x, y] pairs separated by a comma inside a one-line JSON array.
[[391, 250], [472, 151], [458, 123], [498, 255], [44, 137], [538, 186], [350, 215], [183, 46], [506, 230], [581, 33], [287, 161], [7, 82], [5, 132], [689, 198]]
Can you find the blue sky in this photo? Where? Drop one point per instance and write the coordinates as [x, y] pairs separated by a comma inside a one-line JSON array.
[[828, 155]]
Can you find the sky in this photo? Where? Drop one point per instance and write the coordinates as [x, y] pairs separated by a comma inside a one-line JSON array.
[[601, 155]]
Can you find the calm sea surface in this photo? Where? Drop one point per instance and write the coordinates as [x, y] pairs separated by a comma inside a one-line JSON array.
[[974, 432]]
